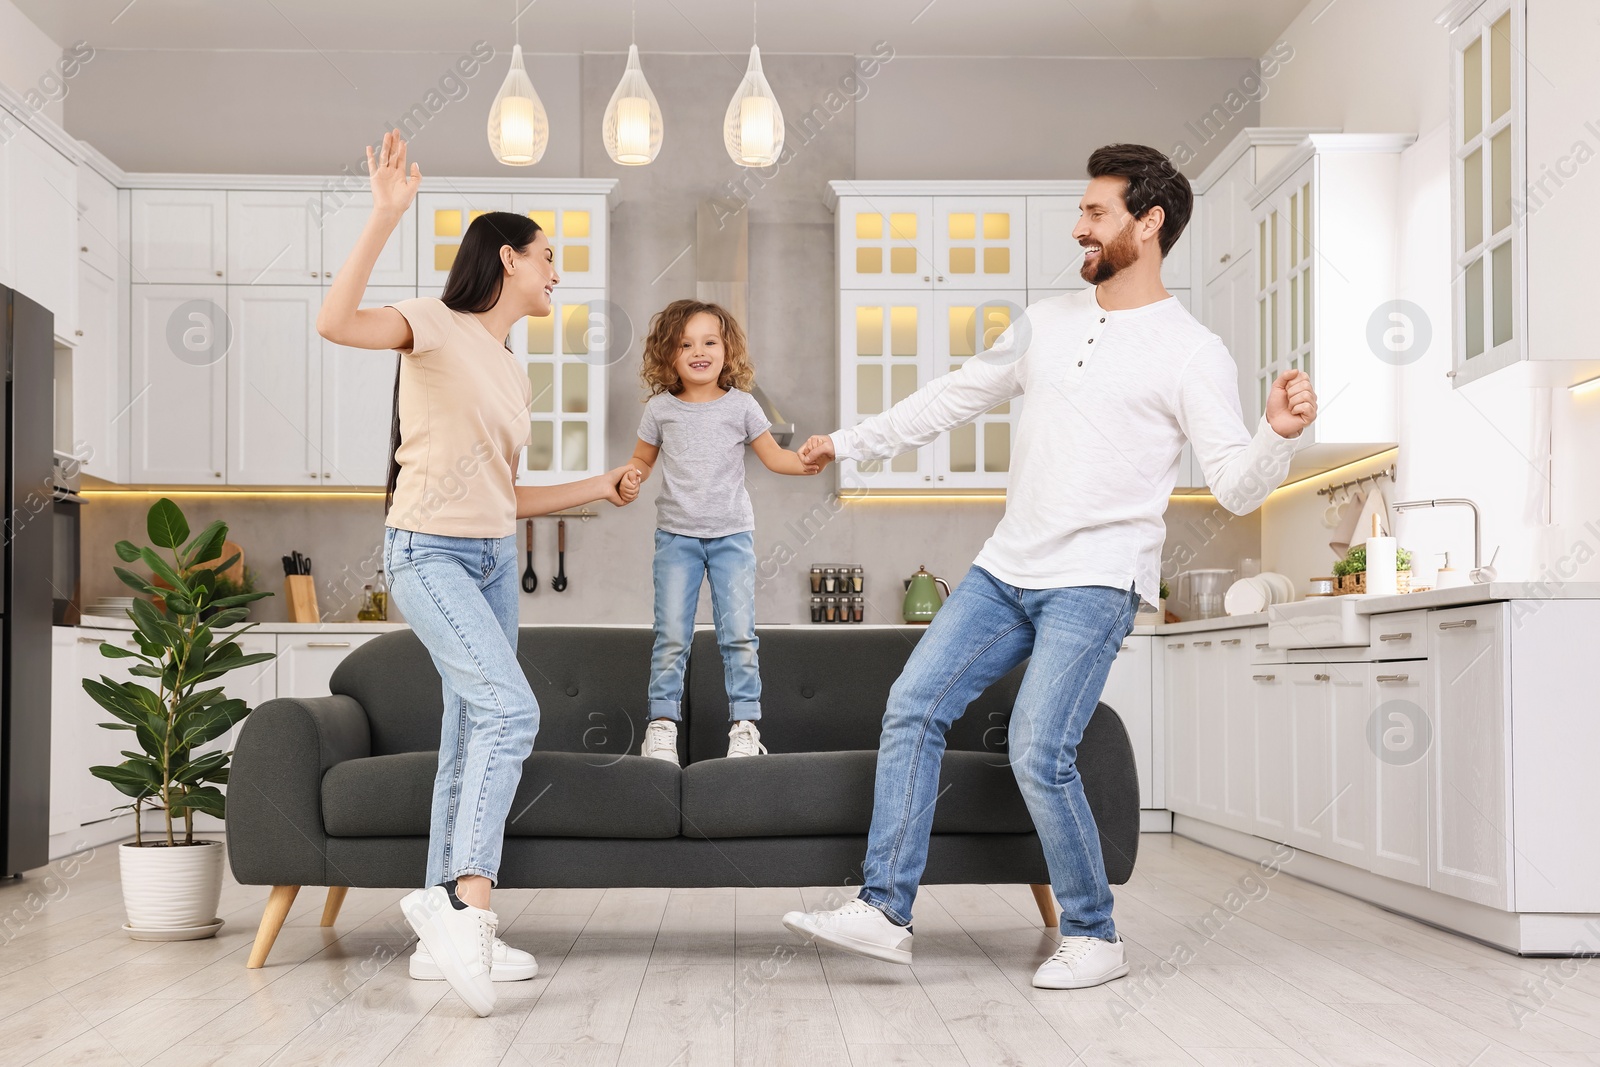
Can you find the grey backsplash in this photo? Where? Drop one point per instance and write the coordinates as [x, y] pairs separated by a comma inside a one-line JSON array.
[[793, 342]]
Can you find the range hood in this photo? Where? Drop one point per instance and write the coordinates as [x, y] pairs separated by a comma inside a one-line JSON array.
[[722, 276]]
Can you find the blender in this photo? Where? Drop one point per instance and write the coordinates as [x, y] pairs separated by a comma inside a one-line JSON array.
[[1205, 587]]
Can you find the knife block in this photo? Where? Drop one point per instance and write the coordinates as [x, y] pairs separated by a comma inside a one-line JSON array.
[[301, 592]]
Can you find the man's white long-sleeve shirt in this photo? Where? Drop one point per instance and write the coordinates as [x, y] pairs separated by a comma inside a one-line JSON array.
[[1109, 397]]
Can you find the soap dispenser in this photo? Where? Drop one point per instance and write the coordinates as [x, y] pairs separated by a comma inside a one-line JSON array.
[[1447, 576]]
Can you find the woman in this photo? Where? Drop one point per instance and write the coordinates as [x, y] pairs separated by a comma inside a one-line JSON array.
[[461, 419]]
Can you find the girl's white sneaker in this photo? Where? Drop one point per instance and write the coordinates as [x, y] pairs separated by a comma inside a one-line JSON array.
[[510, 964], [1080, 962], [856, 927], [745, 740], [661, 741]]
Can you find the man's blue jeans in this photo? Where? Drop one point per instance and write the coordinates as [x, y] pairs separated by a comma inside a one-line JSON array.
[[681, 564], [984, 630]]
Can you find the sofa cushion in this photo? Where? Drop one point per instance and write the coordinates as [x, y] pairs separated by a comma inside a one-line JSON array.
[[590, 682], [561, 794], [824, 689], [802, 793]]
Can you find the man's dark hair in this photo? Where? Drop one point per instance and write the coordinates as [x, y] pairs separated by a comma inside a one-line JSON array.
[[1152, 182]]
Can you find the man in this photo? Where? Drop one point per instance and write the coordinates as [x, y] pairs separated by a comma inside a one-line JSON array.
[[1115, 378]]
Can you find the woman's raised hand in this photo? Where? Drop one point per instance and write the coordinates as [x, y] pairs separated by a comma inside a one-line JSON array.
[[392, 187]]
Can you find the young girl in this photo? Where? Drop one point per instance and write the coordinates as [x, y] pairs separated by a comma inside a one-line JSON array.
[[461, 419], [697, 421]]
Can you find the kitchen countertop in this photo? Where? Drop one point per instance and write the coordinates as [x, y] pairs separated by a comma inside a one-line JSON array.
[[107, 622]]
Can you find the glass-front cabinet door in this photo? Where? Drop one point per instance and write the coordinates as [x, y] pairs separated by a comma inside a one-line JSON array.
[[442, 220], [886, 343], [575, 226], [1285, 286], [979, 242], [1487, 166], [967, 325], [566, 356], [885, 242]]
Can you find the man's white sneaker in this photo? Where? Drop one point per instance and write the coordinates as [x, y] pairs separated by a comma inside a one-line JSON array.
[[856, 927], [460, 940], [661, 741], [510, 964], [1080, 962], [745, 740]]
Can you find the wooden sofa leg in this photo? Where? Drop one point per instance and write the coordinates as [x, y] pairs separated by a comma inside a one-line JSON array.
[[330, 910], [272, 917], [1046, 899]]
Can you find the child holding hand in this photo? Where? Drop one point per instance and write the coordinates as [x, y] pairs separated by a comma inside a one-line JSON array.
[[697, 422]]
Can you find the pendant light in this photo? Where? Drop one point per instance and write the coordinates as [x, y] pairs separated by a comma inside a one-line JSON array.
[[631, 128], [519, 129], [752, 129]]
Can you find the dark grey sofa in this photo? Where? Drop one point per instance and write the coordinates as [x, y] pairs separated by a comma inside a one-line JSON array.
[[334, 791]]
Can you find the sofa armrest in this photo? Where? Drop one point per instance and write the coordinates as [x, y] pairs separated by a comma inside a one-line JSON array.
[[276, 834]]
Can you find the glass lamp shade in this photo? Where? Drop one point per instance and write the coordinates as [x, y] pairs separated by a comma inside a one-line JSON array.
[[632, 129], [519, 130], [752, 129]]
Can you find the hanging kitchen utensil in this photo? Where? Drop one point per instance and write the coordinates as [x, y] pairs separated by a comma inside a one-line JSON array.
[[559, 582], [530, 580]]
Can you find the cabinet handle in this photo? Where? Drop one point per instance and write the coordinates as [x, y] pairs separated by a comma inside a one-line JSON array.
[[1394, 677], [1124, 647], [327, 644], [1225, 257], [926, 278], [311, 474], [1459, 624], [1202, 644], [89, 640], [1321, 677], [1263, 677], [83, 248], [77, 333], [1178, 645], [1394, 637], [941, 277], [1261, 646], [325, 474], [216, 474], [327, 274], [219, 274], [1231, 640]]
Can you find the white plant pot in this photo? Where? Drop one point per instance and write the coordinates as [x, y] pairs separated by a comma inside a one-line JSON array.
[[171, 889]]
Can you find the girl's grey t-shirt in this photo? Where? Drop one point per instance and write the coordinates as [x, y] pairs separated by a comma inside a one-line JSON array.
[[702, 461]]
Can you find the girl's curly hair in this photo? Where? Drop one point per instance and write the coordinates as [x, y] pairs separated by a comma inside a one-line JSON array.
[[666, 331]]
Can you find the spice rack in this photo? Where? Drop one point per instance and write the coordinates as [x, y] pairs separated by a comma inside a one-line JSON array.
[[838, 593]]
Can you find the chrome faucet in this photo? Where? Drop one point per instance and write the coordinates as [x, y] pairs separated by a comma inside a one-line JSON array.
[[1481, 573]]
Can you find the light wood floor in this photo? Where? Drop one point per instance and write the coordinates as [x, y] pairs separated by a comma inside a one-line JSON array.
[[1285, 973]]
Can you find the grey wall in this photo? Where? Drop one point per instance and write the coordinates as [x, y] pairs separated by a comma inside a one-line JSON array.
[[792, 333]]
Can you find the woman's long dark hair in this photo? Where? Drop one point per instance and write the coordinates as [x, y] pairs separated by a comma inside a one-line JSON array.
[[473, 287]]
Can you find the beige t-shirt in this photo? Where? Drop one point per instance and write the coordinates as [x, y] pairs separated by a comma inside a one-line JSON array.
[[464, 401]]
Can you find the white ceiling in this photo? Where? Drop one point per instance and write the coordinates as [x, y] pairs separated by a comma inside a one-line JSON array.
[[1107, 28]]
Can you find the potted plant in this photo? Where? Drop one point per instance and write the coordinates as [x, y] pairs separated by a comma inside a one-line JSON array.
[[1350, 573], [1161, 608], [171, 884]]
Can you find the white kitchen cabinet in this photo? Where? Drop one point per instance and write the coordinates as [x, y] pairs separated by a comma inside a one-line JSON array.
[[178, 384], [1182, 715], [99, 228], [1128, 693], [575, 224], [344, 216], [885, 242], [979, 242], [69, 775], [1270, 703], [886, 346], [965, 326], [274, 237], [908, 241], [1327, 220], [1468, 657], [1239, 731], [442, 220], [1054, 256], [92, 745], [99, 381], [1223, 216], [564, 357], [1315, 789], [1229, 310], [179, 236], [1349, 816], [1400, 736], [255, 684], [274, 371], [306, 660], [358, 405], [1209, 701], [44, 227]]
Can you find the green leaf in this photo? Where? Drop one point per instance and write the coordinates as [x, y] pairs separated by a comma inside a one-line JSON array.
[[232, 664], [210, 722], [225, 564], [206, 545], [111, 651], [127, 551], [166, 524], [163, 570], [199, 770], [153, 630], [179, 604], [202, 798], [134, 778], [114, 726], [147, 670], [238, 598], [226, 616], [136, 581], [111, 696], [198, 700]]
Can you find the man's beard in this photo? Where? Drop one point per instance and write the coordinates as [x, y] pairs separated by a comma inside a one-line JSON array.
[[1117, 254]]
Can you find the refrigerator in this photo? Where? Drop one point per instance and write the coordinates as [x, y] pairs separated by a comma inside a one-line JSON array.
[[27, 355]]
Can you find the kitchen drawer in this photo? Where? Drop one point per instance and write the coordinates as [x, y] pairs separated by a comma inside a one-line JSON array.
[[1399, 635], [1260, 651]]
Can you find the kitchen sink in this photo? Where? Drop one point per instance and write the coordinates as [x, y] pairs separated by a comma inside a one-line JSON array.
[[1318, 622]]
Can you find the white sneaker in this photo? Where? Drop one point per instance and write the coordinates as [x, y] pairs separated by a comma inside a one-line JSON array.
[[460, 941], [745, 740], [856, 927], [510, 964], [661, 741], [1081, 962]]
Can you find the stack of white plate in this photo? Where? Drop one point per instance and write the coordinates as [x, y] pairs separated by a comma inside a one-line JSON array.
[[1250, 595], [114, 607]]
